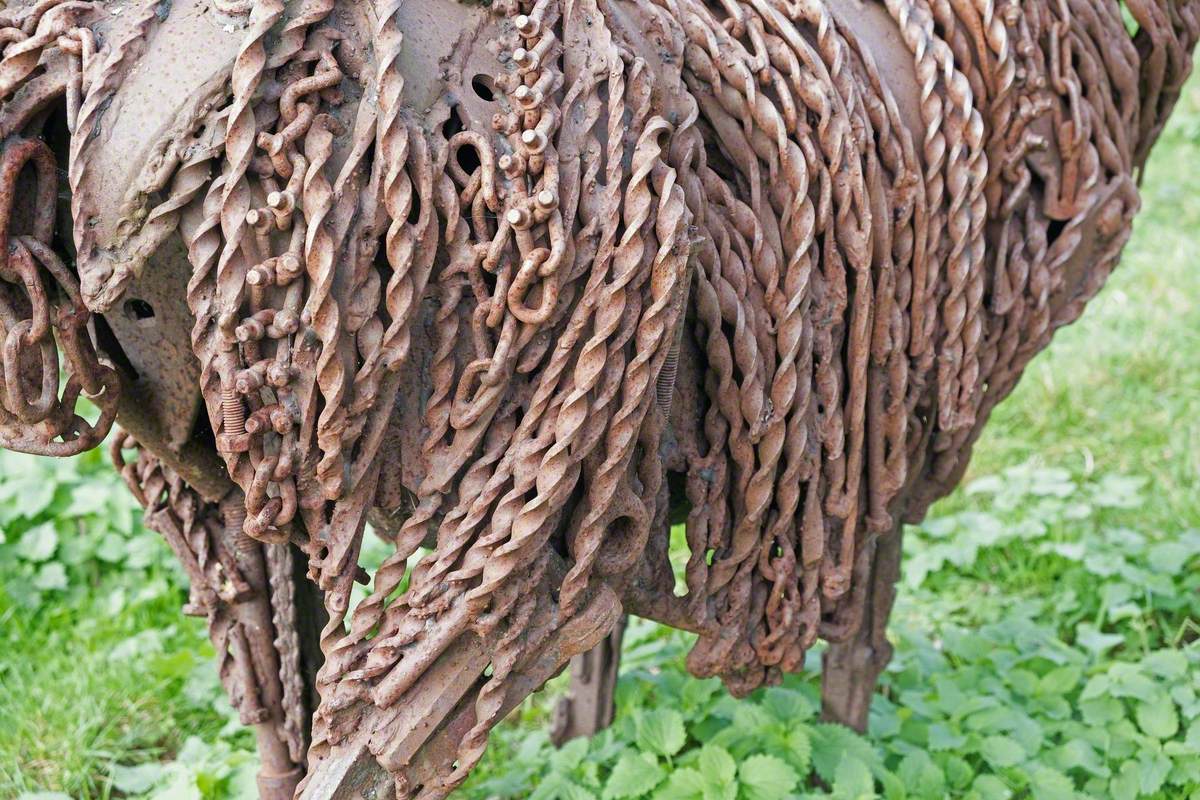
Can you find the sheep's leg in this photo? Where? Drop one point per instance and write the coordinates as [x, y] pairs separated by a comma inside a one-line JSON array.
[[851, 668], [251, 595], [266, 703], [588, 706], [297, 615], [254, 662], [311, 618]]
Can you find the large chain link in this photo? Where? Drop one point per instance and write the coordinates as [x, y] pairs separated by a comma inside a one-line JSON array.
[[41, 311]]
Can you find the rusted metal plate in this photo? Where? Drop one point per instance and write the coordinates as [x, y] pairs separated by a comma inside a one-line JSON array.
[[154, 331]]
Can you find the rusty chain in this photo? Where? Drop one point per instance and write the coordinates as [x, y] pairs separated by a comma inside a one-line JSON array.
[[41, 312]]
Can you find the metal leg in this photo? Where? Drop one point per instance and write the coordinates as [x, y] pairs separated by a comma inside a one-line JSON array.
[[251, 594], [851, 668], [588, 706]]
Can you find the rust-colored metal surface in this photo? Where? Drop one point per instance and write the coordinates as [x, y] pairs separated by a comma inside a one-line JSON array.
[[245, 590], [526, 282]]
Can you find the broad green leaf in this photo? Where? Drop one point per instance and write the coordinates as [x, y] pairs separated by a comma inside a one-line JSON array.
[[764, 777], [921, 776], [800, 749], [559, 787], [33, 496], [89, 497], [1158, 717], [830, 743], [1126, 784], [570, 755], [989, 484], [1101, 710], [112, 548], [1056, 482], [989, 787], [950, 696], [682, 784], [787, 705], [750, 718], [141, 551], [75, 550], [995, 720], [1128, 680], [1166, 663], [958, 772], [893, 787], [1185, 771], [721, 791], [661, 731], [1079, 754], [182, 786], [244, 781], [1098, 686], [695, 693], [941, 737], [1024, 681], [138, 779], [853, 780], [1050, 784], [1192, 739], [1186, 698], [550, 788], [38, 543], [1001, 751], [716, 765], [1060, 680], [1119, 491], [634, 775], [1090, 638], [51, 577], [1153, 769]]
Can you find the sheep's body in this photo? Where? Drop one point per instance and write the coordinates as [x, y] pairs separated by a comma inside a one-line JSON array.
[[528, 283]]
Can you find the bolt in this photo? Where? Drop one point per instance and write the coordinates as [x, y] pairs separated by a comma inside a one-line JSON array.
[[527, 97], [282, 202], [527, 60], [534, 140], [278, 375], [233, 413], [518, 217], [526, 25], [288, 269], [235, 524], [248, 380], [512, 166], [250, 331]]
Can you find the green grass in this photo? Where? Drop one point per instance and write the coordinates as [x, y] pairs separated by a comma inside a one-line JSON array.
[[81, 707], [97, 665], [1045, 631]]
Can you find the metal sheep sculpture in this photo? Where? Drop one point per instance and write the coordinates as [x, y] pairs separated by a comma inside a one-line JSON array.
[[525, 283]]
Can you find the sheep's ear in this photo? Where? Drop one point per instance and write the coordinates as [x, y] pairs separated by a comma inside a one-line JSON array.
[[127, 144]]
